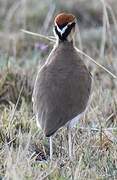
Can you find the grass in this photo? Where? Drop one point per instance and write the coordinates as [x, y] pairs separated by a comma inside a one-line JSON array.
[[22, 144], [24, 151]]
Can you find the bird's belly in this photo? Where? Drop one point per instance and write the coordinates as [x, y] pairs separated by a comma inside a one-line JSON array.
[[75, 120]]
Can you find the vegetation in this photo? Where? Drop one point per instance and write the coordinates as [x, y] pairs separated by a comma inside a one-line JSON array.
[[24, 151]]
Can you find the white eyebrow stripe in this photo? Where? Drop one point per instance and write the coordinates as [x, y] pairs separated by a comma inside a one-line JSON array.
[[59, 30], [63, 30]]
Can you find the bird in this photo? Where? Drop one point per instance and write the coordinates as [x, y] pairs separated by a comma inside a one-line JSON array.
[[63, 84]]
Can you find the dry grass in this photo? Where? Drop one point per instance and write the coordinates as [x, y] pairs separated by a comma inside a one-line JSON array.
[[24, 151]]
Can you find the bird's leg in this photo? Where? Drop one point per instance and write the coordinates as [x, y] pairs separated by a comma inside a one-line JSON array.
[[70, 143], [51, 149]]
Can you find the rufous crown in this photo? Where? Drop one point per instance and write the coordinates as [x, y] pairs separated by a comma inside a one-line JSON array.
[[64, 18]]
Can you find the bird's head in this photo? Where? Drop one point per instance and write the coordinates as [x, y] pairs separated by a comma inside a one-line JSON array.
[[64, 28]]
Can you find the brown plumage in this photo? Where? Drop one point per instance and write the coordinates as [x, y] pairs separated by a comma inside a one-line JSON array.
[[63, 83], [62, 88]]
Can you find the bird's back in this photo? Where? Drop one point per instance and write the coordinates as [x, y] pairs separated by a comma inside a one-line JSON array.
[[62, 89]]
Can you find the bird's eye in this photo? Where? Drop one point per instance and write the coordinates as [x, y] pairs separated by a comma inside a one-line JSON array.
[[71, 25]]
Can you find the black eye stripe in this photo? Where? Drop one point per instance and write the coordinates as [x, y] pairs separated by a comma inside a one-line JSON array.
[[68, 30], [63, 25], [71, 25], [58, 33], [66, 33]]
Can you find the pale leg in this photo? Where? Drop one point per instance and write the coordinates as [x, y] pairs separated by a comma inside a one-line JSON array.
[[70, 143], [51, 149]]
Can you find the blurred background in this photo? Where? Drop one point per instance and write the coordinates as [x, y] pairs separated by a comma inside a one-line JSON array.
[[97, 34], [20, 56]]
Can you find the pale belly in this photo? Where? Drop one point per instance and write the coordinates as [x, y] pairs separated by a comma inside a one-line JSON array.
[[72, 123]]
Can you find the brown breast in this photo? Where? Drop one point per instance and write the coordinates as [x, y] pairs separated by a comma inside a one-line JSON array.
[[62, 89]]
